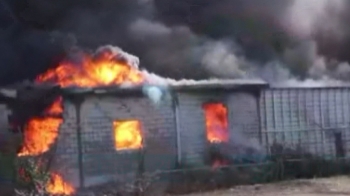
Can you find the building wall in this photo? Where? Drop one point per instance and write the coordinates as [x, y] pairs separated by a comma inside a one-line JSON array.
[[65, 160], [245, 127], [101, 162], [292, 117], [243, 123], [306, 118]]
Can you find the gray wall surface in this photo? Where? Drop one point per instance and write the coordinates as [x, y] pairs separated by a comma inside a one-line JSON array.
[[309, 118], [243, 117], [101, 161], [66, 151]]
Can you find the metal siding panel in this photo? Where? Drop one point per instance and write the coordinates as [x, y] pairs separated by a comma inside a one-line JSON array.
[[304, 117]]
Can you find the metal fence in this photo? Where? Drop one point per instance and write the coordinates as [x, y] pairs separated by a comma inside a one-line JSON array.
[[315, 121]]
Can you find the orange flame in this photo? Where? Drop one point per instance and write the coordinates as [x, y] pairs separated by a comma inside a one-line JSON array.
[[55, 108], [39, 135], [56, 186], [127, 134], [103, 70], [216, 122]]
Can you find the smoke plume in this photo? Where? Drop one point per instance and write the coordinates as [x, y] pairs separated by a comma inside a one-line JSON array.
[[275, 40]]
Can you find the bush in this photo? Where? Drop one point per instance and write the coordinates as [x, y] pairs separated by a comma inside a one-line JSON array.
[[33, 177]]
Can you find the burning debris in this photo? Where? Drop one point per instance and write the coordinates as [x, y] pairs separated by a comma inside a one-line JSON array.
[[57, 186]]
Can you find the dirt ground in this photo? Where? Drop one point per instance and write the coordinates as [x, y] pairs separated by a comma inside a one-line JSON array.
[[335, 186]]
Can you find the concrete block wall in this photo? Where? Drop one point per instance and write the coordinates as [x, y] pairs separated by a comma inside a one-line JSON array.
[[65, 160], [243, 122], [191, 126], [101, 162]]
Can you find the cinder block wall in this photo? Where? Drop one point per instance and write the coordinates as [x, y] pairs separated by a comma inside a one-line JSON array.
[[191, 126], [243, 123], [101, 162], [65, 160]]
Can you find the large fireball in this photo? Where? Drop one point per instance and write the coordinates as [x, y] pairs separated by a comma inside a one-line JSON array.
[[109, 66]]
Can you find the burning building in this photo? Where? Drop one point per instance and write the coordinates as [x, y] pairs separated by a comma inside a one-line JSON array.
[[108, 134], [108, 121], [100, 119]]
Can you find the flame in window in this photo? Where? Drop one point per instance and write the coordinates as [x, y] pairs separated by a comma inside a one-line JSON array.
[[127, 134], [216, 122]]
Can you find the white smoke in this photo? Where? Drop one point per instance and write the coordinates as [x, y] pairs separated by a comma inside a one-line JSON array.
[[120, 55], [220, 59], [154, 93], [343, 71], [305, 17], [311, 83], [303, 20]]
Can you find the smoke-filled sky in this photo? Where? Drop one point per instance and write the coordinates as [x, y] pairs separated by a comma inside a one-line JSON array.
[[193, 39]]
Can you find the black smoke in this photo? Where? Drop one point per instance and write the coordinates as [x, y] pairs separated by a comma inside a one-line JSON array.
[[252, 24], [260, 29], [24, 51], [183, 38]]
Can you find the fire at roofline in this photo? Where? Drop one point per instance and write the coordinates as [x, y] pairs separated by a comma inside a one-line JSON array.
[[276, 40]]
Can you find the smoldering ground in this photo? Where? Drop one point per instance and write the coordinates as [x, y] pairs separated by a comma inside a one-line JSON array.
[[194, 39]]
